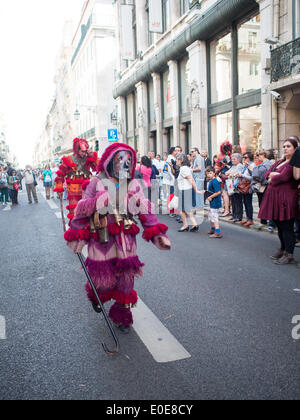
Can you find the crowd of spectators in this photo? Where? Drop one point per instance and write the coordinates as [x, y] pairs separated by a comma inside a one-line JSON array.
[[229, 184]]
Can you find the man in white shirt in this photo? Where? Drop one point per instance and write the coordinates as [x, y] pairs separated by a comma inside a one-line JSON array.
[[30, 182]]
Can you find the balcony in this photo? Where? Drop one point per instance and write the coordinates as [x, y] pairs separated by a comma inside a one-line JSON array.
[[285, 61]]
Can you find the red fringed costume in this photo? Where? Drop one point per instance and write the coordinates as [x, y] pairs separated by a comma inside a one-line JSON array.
[[107, 221], [76, 171]]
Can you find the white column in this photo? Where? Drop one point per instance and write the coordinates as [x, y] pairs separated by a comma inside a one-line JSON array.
[[158, 111], [143, 117], [269, 129], [198, 85], [174, 84]]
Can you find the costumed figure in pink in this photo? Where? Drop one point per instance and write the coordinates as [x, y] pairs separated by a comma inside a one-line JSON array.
[[75, 170], [106, 220]]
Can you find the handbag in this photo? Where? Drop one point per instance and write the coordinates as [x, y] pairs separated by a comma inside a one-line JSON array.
[[230, 187], [244, 186], [16, 186], [174, 203]]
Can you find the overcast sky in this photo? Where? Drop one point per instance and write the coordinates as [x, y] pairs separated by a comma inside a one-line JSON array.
[[30, 38]]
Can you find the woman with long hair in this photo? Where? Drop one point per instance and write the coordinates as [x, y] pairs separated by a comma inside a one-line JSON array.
[[47, 180], [280, 203]]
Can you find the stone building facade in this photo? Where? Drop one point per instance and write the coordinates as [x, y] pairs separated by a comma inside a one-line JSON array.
[[83, 102], [206, 77]]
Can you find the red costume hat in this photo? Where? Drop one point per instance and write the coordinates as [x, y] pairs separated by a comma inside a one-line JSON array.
[[80, 144], [109, 154]]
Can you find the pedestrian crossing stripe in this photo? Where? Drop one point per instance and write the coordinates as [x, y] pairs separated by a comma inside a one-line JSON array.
[[2, 328]]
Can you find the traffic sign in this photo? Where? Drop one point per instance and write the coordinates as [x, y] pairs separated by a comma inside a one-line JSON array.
[[112, 135]]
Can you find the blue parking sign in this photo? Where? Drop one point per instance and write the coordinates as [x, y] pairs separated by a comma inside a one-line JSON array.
[[112, 135]]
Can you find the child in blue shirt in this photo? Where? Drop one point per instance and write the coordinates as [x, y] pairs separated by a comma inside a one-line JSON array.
[[214, 194]]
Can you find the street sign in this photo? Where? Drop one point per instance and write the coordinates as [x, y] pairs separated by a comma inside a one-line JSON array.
[[112, 135]]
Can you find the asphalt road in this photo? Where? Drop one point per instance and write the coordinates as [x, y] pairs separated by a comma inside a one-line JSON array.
[[224, 300]]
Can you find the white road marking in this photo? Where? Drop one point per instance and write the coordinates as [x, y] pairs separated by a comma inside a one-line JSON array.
[[162, 345], [7, 208], [58, 215], [52, 204], [2, 328]]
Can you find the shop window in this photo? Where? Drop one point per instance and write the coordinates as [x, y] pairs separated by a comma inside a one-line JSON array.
[[221, 130], [167, 96], [249, 55], [166, 15], [130, 113], [220, 68], [184, 6], [152, 118], [184, 86], [296, 17], [250, 129]]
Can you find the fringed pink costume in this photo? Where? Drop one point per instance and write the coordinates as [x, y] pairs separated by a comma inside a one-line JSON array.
[[114, 265]]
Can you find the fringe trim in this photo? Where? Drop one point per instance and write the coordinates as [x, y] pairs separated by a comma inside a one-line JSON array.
[[153, 231], [71, 207], [115, 229], [76, 181], [121, 315], [68, 163], [115, 294]]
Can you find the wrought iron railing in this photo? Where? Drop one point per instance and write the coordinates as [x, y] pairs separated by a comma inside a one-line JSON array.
[[285, 61]]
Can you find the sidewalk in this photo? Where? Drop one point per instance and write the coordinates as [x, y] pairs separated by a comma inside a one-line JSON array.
[[257, 225]]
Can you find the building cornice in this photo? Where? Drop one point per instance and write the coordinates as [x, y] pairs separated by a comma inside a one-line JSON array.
[[214, 20]]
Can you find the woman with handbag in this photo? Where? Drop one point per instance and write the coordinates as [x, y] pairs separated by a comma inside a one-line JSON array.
[[186, 185], [259, 183], [13, 186], [244, 187], [47, 180], [236, 197], [280, 203]]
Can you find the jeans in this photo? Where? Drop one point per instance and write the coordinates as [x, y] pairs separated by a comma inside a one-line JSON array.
[[297, 228], [4, 195], [237, 206], [247, 199], [286, 235]]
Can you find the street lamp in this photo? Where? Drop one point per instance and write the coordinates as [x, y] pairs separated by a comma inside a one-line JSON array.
[[77, 115], [114, 116]]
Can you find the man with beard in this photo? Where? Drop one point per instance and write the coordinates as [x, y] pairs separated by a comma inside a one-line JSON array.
[[75, 170]]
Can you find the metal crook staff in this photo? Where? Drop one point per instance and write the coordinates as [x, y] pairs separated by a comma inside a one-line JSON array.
[[81, 259], [107, 351]]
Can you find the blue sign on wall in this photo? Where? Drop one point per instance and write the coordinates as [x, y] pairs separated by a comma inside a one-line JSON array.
[[112, 135]]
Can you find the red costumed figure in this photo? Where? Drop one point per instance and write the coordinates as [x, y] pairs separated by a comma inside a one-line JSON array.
[[107, 220], [76, 170]]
